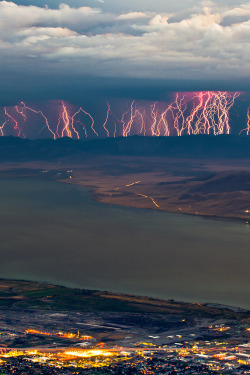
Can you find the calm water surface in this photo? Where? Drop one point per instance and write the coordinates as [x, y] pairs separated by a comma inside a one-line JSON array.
[[53, 232]]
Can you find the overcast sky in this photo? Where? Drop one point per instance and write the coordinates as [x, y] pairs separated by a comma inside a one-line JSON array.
[[125, 47]]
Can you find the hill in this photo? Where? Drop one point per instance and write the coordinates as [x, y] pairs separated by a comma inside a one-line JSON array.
[[199, 146]]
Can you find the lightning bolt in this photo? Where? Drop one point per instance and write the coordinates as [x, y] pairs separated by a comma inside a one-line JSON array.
[[205, 112], [16, 127], [40, 113], [247, 129], [92, 120], [106, 120]]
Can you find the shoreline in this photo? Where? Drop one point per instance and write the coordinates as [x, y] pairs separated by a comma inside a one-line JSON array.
[[159, 184], [125, 295], [90, 192], [96, 197]]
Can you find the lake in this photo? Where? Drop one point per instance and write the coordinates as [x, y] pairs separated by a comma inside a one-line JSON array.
[[54, 232]]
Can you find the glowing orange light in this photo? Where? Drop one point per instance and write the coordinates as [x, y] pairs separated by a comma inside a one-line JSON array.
[[146, 196], [204, 112]]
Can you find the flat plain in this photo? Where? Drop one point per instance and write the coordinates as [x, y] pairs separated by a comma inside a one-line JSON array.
[[208, 187]]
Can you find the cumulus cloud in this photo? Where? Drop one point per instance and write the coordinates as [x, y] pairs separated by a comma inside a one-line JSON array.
[[138, 44], [13, 16], [132, 16], [240, 11]]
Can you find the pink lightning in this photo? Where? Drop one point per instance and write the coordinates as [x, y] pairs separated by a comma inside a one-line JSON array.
[[16, 127], [205, 112]]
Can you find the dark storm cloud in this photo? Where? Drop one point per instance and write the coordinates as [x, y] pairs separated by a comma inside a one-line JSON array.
[[114, 46]]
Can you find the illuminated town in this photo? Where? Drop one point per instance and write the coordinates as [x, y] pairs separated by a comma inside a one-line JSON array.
[[41, 334], [214, 356]]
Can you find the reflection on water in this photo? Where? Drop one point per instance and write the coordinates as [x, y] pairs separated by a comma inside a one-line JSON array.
[[53, 232]]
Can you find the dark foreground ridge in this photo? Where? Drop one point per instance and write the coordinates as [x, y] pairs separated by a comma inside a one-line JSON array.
[[50, 329], [198, 146], [35, 295]]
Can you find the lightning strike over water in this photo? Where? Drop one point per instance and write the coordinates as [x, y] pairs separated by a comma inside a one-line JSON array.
[[205, 112]]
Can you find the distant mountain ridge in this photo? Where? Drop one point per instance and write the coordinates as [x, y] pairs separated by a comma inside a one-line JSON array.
[[196, 146]]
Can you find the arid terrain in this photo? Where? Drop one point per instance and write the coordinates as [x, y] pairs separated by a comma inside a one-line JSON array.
[[214, 188]]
